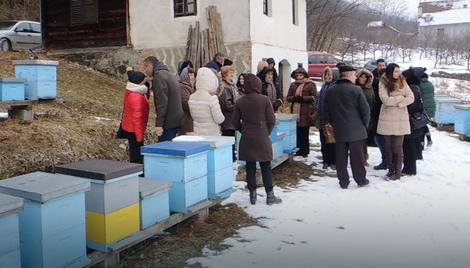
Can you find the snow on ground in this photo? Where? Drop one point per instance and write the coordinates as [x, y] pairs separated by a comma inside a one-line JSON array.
[[3, 115], [459, 89], [420, 221]]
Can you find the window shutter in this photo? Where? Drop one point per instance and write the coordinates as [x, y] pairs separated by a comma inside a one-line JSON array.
[[83, 12]]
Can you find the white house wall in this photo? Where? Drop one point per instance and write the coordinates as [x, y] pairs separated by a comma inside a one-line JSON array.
[[278, 29], [153, 25]]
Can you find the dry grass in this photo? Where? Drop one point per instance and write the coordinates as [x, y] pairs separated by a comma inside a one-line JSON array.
[[65, 130]]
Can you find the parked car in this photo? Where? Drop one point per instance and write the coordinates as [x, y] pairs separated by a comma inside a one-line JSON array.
[[318, 61], [19, 35]]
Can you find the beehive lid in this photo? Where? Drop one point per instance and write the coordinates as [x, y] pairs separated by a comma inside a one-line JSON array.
[[448, 99], [12, 80], [148, 187], [462, 106], [286, 117], [42, 187], [176, 148], [99, 169], [35, 62], [9, 204], [213, 141]]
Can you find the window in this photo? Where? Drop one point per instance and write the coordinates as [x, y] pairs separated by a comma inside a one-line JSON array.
[[267, 8], [35, 28], [295, 12], [83, 12], [23, 28], [313, 59], [185, 8]]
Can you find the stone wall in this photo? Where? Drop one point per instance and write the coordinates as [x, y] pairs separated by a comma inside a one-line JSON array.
[[114, 61]]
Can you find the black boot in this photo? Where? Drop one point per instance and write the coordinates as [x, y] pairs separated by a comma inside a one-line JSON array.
[[381, 166], [390, 174], [272, 199], [253, 196]]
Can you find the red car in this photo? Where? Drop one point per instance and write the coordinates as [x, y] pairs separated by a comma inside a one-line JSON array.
[[318, 61]]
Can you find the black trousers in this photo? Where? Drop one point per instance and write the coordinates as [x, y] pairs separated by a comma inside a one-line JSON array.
[[409, 156], [302, 140], [394, 153], [328, 150], [231, 133], [356, 158], [266, 173], [134, 149]]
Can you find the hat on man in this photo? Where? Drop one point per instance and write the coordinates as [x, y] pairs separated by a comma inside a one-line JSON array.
[[346, 68], [135, 77]]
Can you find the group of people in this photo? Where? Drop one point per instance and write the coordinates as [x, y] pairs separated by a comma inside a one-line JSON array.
[[386, 108], [359, 107]]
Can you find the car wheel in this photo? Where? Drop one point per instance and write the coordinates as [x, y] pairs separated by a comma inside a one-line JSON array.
[[5, 45]]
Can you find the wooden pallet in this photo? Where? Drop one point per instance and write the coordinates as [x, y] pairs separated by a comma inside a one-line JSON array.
[[112, 258]]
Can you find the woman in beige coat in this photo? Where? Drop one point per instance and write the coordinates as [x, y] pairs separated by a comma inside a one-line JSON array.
[[394, 122]]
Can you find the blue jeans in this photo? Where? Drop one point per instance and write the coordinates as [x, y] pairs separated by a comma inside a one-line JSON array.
[[380, 141], [168, 134]]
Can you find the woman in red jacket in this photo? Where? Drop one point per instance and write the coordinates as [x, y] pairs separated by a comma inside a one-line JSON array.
[[135, 114]]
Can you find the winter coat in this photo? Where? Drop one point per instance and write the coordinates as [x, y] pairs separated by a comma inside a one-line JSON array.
[[347, 110], [307, 105], [277, 99], [186, 91], [204, 104], [167, 97], [415, 107], [320, 105], [374, 117], [254, 117], [367, 88], [427, 93], [227, 98], [215, 65], [394, 119], [136, 110]]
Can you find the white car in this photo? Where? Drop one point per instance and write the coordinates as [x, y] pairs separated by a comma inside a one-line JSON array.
[[20, 35]]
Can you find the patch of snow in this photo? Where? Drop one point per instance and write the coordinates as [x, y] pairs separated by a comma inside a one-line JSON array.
[[420, 221], [3, 115], [97, 118]]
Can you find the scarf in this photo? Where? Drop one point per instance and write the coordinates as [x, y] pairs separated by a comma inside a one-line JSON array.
[[271, 91], [298, 92]]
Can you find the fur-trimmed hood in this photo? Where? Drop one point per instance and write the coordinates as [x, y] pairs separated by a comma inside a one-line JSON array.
[[370, 77]]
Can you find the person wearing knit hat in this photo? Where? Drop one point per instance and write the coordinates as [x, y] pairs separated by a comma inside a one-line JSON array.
[[204, 104], [135, 115], [186, 81], [302, 94], [253, 116], [272, 64], [227, 98]]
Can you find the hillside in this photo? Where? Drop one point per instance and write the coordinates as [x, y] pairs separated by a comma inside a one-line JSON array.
[[80, 124]]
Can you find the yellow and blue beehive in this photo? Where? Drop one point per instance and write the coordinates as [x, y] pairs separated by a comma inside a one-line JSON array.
[[112, 204]]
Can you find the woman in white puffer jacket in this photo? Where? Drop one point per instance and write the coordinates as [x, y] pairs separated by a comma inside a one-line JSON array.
[[204, 104]]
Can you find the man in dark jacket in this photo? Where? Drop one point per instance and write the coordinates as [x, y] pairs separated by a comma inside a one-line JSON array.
[[167, 98], [379, 139], [217, 62], [347, 110]]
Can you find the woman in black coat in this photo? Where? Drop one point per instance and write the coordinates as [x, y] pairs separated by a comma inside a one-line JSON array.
[[410, 142]]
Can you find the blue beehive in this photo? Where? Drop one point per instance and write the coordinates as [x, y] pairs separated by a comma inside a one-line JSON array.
[[112, 204], [219, 164], [52, 223], [9, 232], [278, 148], [41, 78], [462, 122], [445, 110], [12, 89], [184, 164], [154, 201], [288, 125]]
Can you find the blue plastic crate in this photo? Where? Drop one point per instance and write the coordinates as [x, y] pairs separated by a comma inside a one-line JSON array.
[[445, 110], [462, 122], [185, 195], [52, 223], [176, 161], [9, 232], [154, 202], [220, 183], [12, 89], [41, 78]]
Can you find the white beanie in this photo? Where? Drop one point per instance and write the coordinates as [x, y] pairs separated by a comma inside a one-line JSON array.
[[206, 80]]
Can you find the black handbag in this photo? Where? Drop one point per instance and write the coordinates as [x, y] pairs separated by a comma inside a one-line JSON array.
[[121, 134], [419, 120]]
